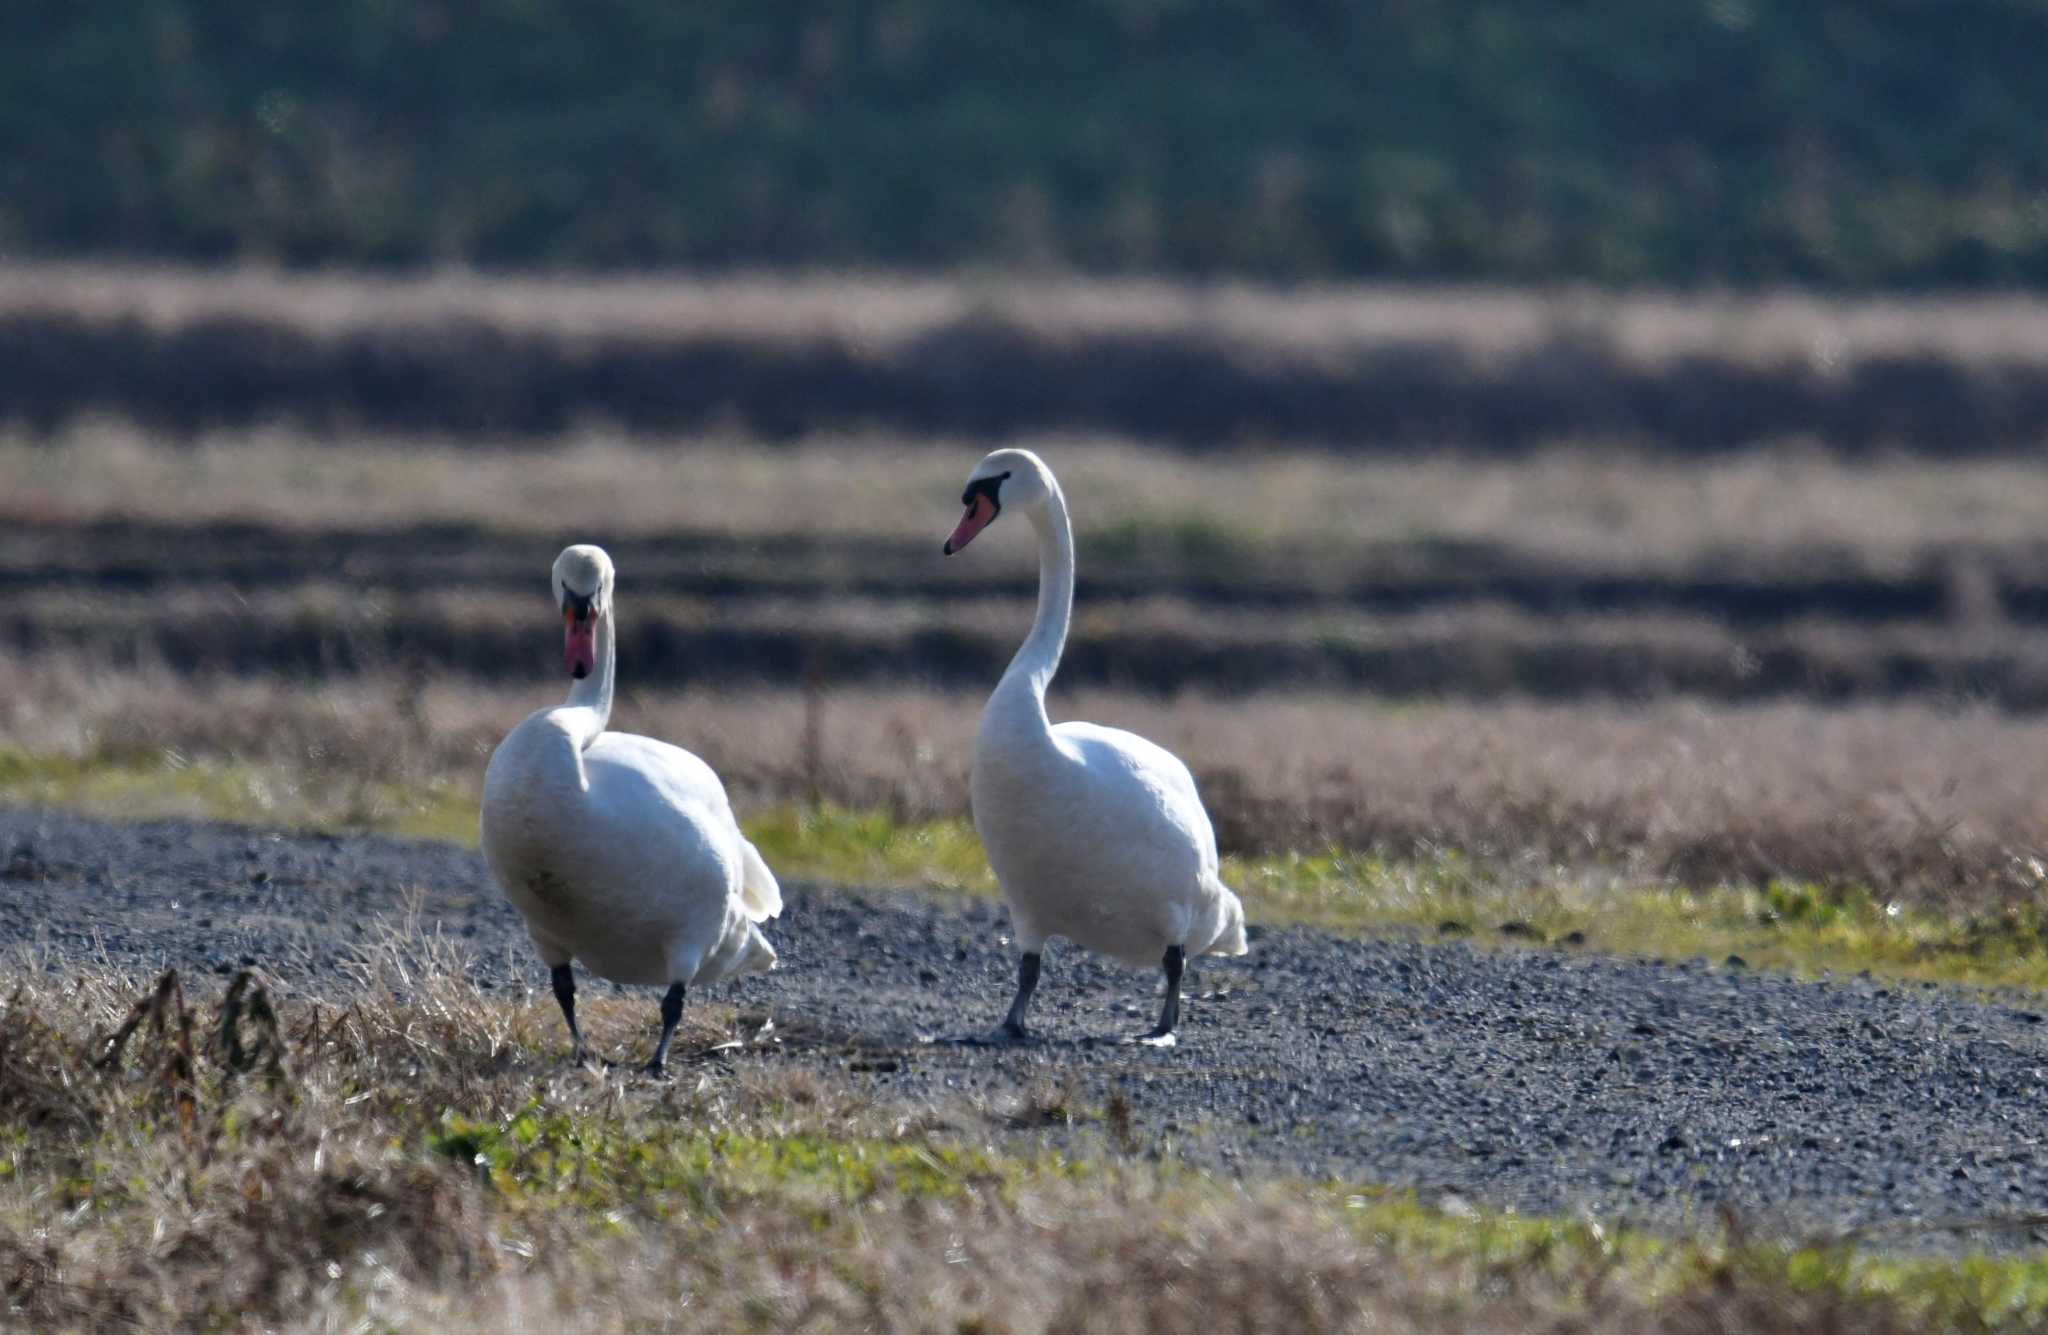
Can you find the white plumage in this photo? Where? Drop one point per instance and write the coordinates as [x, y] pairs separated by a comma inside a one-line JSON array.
[[619, 851], [1096, 834]]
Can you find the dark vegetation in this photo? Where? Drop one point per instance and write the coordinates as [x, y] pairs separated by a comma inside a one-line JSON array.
[[1834, 142], [1215, 569], [986, 375], [1457, 622], [1481, 657]]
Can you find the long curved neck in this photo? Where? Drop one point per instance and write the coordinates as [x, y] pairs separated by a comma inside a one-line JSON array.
[[589, 706], [1039, 656]]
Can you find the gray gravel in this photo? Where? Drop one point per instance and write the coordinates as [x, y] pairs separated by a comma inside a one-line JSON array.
[[1541, 1080]]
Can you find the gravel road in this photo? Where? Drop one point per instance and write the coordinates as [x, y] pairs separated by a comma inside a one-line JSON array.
[[1540, 1080]]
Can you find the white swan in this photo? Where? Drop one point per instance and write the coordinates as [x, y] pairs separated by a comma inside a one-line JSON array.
[[1095, 834], [619, 851]]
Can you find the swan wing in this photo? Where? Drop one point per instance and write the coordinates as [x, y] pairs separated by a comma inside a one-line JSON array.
[[1126, 769], [690, 786], [676, 775], [1215, 921]]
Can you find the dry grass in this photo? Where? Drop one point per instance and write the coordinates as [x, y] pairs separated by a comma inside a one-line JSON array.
[[881, 312], [412, 1156], [1599, 508], [1946, 806]]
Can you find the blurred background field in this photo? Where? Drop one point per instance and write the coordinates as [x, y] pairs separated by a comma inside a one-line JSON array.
[[1557, 473]]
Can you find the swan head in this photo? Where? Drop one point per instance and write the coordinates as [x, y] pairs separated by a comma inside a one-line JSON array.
[[1016, 479], [583, 590]]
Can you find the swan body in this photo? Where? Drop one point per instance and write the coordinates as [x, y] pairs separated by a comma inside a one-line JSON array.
[[619, 851], [1133, 867], [1096, 835], [649, 881]]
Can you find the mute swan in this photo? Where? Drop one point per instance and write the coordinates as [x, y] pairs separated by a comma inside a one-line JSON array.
[[1095, 834], [618, 850]]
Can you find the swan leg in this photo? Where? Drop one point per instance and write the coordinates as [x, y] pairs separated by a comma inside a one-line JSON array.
[[671, 1016], [565, 995], [1175, 964], [1012, 1029]]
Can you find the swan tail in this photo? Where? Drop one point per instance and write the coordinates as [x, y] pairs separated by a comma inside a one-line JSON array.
[[741, 950], [1229, 939], [760, 895], [760, 956]]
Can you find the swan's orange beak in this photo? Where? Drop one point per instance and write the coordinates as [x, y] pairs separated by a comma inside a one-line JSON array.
[[579, 644], [979, 511]]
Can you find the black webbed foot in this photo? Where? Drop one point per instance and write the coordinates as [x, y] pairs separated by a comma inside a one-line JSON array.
[[1007, 1035]]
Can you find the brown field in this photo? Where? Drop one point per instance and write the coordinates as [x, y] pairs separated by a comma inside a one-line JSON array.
[[1162, 644], [1758, 666], [1650, 328], [1599, 508], [1786, 661], [1570, 575], [1200, 367]]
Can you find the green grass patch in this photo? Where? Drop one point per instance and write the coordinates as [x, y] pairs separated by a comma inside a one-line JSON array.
[[552, 1157], [168, 785], [1790, 926], [1970, 1292], [1793, 926], [871, 848], [1200, 541], [556, 1159]]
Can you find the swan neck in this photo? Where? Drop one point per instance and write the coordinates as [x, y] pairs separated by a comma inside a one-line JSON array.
[[1039, 656], [594, 692]]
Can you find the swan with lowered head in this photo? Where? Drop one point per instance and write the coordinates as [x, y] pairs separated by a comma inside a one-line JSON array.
[[619, 851], [1095, 834]]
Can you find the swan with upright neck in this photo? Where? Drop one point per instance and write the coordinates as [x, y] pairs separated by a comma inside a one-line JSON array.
[[1095, 834], [619, 851]]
